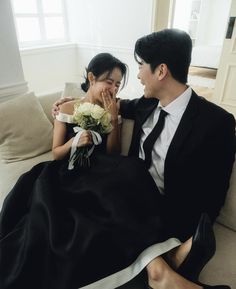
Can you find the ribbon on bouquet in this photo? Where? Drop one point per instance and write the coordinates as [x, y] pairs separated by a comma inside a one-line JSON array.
[[97, 139]]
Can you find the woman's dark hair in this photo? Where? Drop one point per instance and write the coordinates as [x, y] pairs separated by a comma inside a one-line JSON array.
[[104, 63], [170, 46]]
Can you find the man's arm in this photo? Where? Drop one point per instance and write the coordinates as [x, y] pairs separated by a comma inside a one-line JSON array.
[[220, 164], [56, 105], [128, 108]]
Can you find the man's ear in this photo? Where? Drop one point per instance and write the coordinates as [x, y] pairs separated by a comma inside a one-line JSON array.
[[162, 71], [91, 78]]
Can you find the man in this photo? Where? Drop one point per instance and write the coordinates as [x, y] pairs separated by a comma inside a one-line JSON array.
[[191, 154]]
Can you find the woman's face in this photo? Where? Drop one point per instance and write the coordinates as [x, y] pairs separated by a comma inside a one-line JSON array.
[[109, 83]]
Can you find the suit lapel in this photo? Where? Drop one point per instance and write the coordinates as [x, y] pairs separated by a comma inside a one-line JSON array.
[[184, 128]]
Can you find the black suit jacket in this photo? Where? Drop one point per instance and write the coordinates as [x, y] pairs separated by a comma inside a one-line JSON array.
[[198, 163]]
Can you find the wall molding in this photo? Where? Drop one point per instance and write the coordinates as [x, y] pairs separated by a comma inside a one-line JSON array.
[[65, 46], [117, 49], [9, 91], [47, 48]]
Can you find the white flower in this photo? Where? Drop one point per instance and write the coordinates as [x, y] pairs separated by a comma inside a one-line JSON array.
[[89, 117], [97, 111], [93, 117], [84, 109]]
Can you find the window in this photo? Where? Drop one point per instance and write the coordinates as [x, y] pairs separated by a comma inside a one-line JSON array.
[[40, 22]]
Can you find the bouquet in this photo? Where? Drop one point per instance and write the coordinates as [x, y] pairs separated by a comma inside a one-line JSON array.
[[91, 117]]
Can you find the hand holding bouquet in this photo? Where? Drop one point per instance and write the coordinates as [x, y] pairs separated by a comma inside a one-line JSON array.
[[90, 117]]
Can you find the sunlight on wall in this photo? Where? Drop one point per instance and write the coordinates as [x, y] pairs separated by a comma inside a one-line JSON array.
[[182, 14]]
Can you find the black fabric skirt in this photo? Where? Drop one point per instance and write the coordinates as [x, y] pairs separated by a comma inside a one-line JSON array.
[[63, 229]]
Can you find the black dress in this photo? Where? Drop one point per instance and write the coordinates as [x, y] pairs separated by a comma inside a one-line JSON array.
[[62, 229]]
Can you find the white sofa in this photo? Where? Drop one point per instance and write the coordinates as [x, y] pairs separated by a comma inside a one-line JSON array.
[[222, 267]]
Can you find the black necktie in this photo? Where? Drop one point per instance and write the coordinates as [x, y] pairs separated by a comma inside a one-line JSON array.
[[152, 137]]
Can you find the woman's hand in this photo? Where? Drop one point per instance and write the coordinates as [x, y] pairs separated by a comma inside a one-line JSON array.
[[56, 105], [113, 139], [109, 103], [85, 139]]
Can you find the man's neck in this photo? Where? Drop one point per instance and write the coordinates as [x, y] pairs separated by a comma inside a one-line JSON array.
[[171, 92]]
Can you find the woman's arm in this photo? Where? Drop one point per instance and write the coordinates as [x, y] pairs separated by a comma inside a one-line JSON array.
[[60, 146]]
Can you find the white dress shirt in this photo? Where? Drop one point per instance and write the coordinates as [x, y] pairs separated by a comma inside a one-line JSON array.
[[175, 111]]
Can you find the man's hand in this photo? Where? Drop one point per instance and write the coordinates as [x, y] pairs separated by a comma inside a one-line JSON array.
[[56, 105]]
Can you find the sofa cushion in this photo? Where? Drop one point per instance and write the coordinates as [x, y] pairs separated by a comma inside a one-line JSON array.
[[221, 268], [72, 89], [25, 130], [227, 215], [126, 132], [10, 172]]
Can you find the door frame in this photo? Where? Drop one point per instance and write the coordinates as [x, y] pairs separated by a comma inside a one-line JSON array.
[[161, 14]]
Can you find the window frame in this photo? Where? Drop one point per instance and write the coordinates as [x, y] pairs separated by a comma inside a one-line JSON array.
[[40, 16]]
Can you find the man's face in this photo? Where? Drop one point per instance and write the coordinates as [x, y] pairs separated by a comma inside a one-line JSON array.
[[148, 79]]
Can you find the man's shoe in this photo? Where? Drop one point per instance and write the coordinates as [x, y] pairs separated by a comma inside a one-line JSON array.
[[202, 250]]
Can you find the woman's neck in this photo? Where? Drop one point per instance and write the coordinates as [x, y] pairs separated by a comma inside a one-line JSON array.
[[89, 97]]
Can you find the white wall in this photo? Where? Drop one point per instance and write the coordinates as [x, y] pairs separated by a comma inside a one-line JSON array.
[[213, 22], [211, 29], [47, 69], [94, 26], [181, 14], [110, 26], [109, 22], [11, 74], [211, 33]]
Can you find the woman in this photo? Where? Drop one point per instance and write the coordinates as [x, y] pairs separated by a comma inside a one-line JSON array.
[[93, 227], [64, 228]]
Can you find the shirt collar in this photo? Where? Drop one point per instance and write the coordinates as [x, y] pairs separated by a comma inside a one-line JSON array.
[[178, 105]]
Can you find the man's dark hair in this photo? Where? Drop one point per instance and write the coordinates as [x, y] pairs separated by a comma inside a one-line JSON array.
[[170, 46]]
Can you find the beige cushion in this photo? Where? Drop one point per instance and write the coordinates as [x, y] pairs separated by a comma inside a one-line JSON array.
[[126, 132], [72, 89], [227, 215], [25, 130], [10, 172], [221, 268]]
